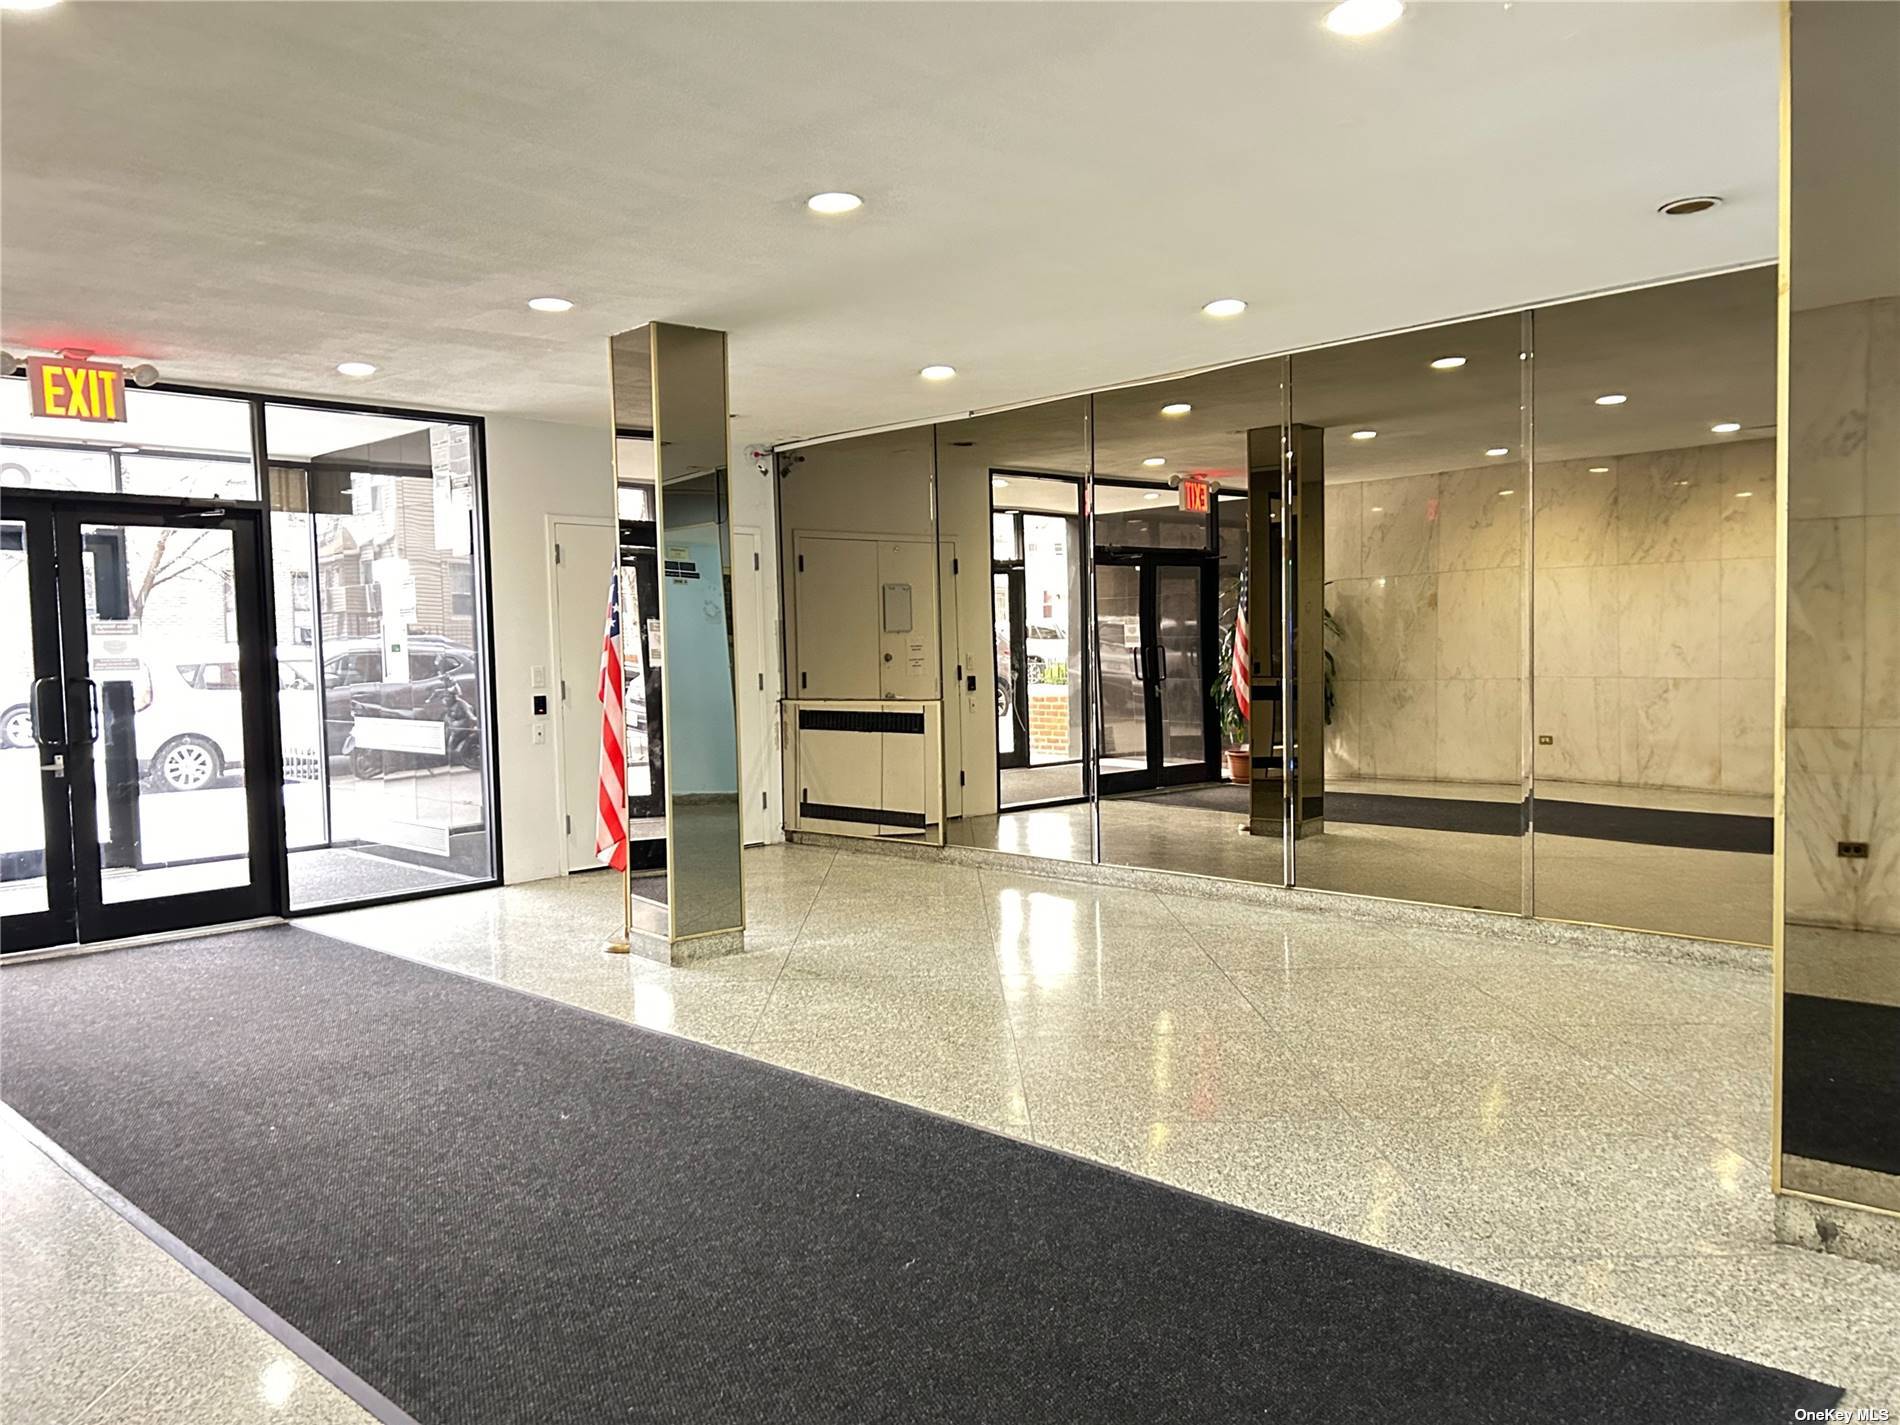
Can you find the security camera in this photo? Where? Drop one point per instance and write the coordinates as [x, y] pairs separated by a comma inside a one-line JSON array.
[[145, 374], [9, 363]]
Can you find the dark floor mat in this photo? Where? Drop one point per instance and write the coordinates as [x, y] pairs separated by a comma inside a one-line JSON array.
[[495, 1208]]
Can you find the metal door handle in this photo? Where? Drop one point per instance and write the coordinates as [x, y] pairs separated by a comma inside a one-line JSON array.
[[1161, 663], [92, 711], [57, 766], [33, 710]]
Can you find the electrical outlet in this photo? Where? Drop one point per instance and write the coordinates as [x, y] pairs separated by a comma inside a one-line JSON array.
[[1852, 850], [1546, 740]]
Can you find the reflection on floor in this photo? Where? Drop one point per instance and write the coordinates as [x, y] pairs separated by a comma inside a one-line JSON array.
[[324, 875], [1680, 890], [1020, 786], [1592, 1130]]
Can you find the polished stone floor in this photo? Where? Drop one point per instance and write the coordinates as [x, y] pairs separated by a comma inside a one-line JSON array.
[[1590, 1129]]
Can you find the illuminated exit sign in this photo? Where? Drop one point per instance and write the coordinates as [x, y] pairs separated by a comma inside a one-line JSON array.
[[1194, 495], [76, 390]]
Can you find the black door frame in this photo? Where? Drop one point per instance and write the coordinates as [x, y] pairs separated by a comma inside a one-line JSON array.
[[1019, 627], [1148, 559], [70, 803]]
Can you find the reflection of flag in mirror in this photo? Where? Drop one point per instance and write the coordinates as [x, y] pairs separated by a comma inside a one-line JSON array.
[[1240, 672], [610, 810]]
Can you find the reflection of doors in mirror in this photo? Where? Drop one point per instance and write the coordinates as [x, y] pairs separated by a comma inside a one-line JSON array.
[[1155, 627], [1036, 593]]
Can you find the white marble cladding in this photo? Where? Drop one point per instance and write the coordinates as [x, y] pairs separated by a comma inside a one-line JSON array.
[[1844, 615], [1654, 604]]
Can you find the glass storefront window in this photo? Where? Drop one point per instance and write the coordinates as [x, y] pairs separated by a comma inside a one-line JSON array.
[[380, 638], [168, 444]]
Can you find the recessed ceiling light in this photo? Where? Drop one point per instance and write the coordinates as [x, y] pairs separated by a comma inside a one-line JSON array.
[[1355, 18], [1378, 509], [1599, 470], [938, 373], [1154, 460], [1176, 408], [1689, 207], [550, 304], [1225, 307], [1499, 450], [1507, 492], [1682, 482], [1152, 495], [1448, 363], [832, 204], [1726, 427], [355, 368], [998, 482], [1744, 494], [1614, 398], [1365, 435]]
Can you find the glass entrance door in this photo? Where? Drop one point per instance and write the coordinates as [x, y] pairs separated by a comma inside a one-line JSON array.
[[147, 721], [1155, 719]]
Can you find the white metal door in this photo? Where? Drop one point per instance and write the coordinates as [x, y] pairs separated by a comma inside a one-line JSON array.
[[750, 641], [584, 565]]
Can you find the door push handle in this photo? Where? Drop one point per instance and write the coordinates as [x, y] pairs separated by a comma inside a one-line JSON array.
[[57, 766], [92, 711], [40, 686]]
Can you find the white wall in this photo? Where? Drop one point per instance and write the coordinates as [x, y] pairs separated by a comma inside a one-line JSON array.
[[535, 469]]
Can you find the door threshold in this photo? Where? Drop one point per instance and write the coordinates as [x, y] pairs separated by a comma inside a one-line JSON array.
[[55, 952]]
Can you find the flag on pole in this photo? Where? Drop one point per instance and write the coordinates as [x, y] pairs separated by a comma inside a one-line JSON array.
[[1241, 672], [610, 811]]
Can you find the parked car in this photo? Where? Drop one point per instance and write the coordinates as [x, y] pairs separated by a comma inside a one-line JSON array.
[[354, 685]]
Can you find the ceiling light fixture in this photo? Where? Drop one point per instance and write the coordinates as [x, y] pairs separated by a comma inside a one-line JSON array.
[[1689, 207], [355, 368], [832, 204], [1599, 470], [1497, 450], [938, 373], [1225, 307], [550, 304], [1448, 363], [1614, 398], [1725, 427], [1365, 435], [1358, 18], [1176, 408], [1744, 494], [1154, 460], [1506, 492]]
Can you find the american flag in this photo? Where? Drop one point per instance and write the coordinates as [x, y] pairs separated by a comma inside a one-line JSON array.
[[1241, 673], [610, 811]]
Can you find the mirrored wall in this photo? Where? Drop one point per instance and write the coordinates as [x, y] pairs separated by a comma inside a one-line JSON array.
[[1478, 616]]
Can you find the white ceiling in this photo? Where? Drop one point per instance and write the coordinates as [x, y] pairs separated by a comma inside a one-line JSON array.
[[248, 194]]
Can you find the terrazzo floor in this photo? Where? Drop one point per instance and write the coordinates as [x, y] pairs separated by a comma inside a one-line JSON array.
[[1591, 1129]]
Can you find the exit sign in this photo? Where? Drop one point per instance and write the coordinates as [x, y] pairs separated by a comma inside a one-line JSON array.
[[1194, 495], [76, 390]]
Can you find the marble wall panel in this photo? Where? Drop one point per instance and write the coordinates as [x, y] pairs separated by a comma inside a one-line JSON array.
[[1579, 715], [1670, 732]]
